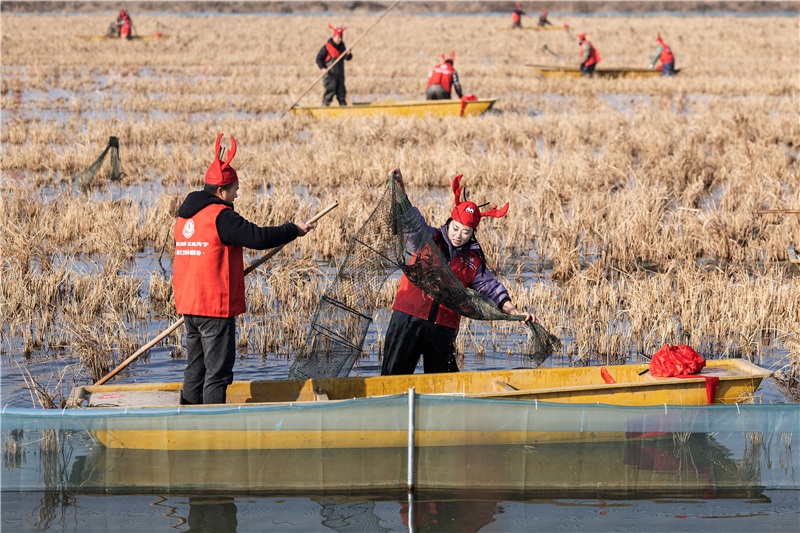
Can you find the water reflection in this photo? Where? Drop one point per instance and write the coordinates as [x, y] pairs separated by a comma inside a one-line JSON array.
[[212, 515]]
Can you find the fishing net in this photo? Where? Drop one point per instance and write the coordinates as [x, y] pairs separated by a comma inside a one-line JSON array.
[[392, 236], [86, 178]]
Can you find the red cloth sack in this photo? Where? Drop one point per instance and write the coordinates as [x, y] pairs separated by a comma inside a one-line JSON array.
[[671, 361]]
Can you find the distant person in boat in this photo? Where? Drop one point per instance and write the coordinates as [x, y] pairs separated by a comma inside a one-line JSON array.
[[516, 17], [589, 56], [543, 20], [442, 79], [208, 276], [334, 77], [124, 25], [420, 326], [665, 55]]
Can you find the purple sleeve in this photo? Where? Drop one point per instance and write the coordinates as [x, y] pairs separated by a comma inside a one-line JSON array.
[[431, 230], [485, 284]]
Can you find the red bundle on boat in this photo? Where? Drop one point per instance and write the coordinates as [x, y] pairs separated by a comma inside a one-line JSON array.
[[672, 361], [465, 99]]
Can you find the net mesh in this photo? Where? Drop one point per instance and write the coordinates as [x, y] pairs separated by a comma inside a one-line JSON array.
[[86, 178], [393, 233]]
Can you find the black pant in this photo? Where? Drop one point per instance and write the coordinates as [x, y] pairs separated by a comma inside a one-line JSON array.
[[334, 86], [516, 24], [668, 69], [211, 351], [408, 337], [436, 92], [588, 71]]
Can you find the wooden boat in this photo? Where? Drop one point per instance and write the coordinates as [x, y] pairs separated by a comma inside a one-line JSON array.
[[106, 38], [411, 108], [793, 257], [535, 28], [552, 71]]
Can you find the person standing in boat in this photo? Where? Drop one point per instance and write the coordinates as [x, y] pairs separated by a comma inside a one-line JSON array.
[[516, 17], [543, 20], [665, 55], [422, 327], [442, 79], [589, 56], [334, 77], [208, 276]]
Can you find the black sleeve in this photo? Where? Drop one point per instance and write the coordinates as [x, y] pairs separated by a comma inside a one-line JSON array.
[[235, 230], [348, 57], [457, 85], [323, 53]]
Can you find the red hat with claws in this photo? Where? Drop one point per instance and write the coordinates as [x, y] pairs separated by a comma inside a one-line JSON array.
[[658, 38], [467, 212], [450, 59], [337, 31], [220, 173]]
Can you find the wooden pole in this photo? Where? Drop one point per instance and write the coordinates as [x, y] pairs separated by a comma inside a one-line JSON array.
[[178, 323], [785, 211], [341, 56]]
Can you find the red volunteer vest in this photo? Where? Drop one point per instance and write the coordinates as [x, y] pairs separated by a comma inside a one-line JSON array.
[[443, 75], [594, 57], [208, 277], [666, 54], [412, 300], [333, 53], [515, 16], [125, 30]]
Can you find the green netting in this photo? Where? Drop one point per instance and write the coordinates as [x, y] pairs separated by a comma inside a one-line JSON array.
[[86, 178], [392, 234], [462, 443]]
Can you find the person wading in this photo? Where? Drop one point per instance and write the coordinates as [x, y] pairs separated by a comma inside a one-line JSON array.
[[208, 277], [442, 79], [334, 78], [421, 326], [543, 20], [665, 55], [516, 17], [589, 56]]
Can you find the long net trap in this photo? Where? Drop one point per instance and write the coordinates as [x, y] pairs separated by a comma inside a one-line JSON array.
[[389, 239], [86, 177]]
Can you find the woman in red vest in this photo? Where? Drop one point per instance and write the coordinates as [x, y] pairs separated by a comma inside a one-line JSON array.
[[516, 17], [208, 276], [442, 79], [664, 54], [334, 77], [419, 325], [589, 56], [543, 20]]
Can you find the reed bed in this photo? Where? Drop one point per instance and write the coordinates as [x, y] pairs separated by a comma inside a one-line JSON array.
[[631, 221]]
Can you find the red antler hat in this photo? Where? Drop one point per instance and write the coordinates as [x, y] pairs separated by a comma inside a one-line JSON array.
[[658, 38], [581, 36], [337, 31], [468, 213], [544, 12], [451, 59], [220, 173]]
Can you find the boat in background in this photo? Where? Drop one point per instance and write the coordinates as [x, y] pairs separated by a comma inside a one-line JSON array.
[[411, 108], [552, 71], [157, 37]]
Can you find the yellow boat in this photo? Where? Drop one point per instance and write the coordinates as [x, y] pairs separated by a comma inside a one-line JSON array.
[[551, 71], [411, 108], [535, 28], [737, 381], [106, 38]]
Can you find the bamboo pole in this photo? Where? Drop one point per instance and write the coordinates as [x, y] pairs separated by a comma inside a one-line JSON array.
[[178, 323], [785, 211], [341, 56]]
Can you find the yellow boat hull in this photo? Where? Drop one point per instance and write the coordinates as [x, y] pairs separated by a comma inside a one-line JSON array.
[[418, 108], [549, 71], [535, 28], [738, 381], [105, 38]]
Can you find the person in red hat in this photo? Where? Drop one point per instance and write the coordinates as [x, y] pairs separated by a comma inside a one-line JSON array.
[[421, 326], [442, 79], [208, 276], [516, 17], [334, 76], [589, 56], [665, 55], [543, 20]]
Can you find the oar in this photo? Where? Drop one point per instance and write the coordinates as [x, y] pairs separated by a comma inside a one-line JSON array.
[[175, 325], [341, 56]]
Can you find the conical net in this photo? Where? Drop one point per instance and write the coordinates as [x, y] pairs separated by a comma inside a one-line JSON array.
[[86, 178], [393, 237]]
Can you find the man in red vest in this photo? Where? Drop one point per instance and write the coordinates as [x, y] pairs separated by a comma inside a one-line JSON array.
[[442, 79], [543, 20], [664, 54], [516, 17], [589, 56], [420, 326], [334, 77], [208, 276]]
